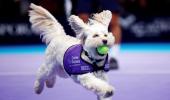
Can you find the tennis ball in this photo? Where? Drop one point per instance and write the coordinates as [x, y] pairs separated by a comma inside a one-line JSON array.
[[103, 49]]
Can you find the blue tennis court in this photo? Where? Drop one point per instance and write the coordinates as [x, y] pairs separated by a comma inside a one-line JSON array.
[[144, 74]]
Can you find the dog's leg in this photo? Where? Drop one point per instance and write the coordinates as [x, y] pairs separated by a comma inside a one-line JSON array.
[[94, 84], [51, 81], [41, 77], [101, 75], [46, 74]]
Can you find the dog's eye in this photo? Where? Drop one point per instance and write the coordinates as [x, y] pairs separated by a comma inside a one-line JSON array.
[[105, 35], [96, 35]]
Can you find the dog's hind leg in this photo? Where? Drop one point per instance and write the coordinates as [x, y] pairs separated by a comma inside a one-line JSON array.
[[51, 81], [46, 74], [40, 79]]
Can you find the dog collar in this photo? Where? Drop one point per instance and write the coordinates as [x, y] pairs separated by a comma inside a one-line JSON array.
[[92, 59], [75, 65]]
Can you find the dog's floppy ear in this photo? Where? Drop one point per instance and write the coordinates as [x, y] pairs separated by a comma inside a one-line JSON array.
[[77, 24], [104, 17]]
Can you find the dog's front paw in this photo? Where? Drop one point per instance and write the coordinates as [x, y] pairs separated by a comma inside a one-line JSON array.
[[100, 87], [105, 90], [108, 94]]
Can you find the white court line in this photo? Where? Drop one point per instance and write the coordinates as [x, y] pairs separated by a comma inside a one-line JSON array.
[[111, 72]]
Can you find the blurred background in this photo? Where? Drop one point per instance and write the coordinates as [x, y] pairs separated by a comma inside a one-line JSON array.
[[142, 49]]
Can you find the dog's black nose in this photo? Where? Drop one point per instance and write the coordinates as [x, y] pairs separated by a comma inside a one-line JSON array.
[[104, 41]]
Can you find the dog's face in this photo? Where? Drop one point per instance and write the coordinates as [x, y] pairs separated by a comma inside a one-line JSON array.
[[95, 33]]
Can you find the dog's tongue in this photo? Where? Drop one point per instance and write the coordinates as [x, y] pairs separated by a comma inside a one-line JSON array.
[[103, 49]]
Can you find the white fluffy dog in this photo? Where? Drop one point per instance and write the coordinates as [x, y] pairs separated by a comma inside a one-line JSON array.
[[92, 75]]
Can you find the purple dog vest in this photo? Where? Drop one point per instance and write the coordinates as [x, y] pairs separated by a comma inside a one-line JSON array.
[[74, 65]]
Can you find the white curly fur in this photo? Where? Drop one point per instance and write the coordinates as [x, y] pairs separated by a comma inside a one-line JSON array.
[[103, 17], [44, 23], [54, 36]]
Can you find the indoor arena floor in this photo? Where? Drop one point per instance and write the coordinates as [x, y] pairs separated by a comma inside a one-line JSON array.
[[144, 74]]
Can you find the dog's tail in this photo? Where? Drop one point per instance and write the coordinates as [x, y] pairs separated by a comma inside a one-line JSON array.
[[44, 23]]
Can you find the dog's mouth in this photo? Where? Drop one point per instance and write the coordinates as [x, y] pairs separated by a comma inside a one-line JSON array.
[[99, 53], [102, 50]]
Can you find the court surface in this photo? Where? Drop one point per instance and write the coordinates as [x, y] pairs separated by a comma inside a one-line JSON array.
[[144, 74]]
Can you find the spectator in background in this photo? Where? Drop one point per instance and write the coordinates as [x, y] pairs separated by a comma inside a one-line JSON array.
[[83, 8]]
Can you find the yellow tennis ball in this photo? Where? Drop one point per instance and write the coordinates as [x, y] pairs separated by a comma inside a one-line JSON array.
[[103, 49]]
